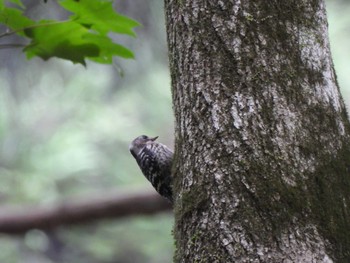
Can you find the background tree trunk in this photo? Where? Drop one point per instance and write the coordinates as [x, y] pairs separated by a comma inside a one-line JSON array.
[[262, 135]]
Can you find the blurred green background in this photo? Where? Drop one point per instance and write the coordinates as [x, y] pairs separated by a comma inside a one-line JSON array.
[[65, 131]]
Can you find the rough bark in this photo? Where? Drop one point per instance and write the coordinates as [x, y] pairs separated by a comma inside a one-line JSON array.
[[21, 219], [262, 136]]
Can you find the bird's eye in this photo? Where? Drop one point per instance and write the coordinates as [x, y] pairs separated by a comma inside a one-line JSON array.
[[144, 137]]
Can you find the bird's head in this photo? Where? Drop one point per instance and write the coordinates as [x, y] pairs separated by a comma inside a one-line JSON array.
[[138, 143]]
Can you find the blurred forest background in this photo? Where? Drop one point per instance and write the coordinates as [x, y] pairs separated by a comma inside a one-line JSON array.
[[65, 131]]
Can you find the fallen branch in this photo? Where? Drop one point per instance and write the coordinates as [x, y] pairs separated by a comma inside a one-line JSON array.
[[19, 220]]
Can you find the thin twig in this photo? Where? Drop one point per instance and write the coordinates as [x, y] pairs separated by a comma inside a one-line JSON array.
[[12, 32], [4, 46]]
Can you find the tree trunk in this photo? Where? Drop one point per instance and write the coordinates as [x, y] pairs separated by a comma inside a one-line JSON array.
[[262, 137]]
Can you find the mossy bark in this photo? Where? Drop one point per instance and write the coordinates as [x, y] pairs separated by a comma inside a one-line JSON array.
[[262, 159]]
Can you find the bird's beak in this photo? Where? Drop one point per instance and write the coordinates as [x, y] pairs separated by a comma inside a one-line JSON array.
[[154, 138]]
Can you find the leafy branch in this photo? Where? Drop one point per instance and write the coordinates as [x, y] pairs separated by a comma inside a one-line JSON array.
[[84, 35]]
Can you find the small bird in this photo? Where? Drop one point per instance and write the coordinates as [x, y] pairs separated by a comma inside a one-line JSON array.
[[154, 160]]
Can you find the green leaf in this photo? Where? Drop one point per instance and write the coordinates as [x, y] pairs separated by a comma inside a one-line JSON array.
[[72, 41], [63, 40], [100, 16], [108, 49], [14, 19]]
